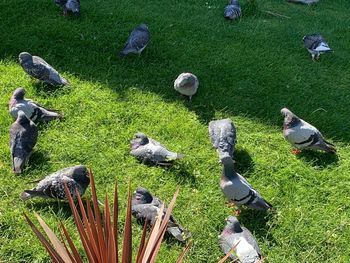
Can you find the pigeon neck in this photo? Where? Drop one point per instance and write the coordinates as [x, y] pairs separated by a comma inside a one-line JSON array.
[[292, 121], [228, 170]]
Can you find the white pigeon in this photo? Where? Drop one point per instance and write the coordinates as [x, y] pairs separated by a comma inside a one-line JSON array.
[[32, 110], [237, 189], [246, 246], [186, 84], [316, 45], [303, 135]]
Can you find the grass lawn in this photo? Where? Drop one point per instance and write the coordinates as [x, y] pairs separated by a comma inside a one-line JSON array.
[[248, 70]]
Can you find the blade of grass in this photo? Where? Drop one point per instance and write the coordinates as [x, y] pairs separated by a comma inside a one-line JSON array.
[[183, 254], [53, 254], [229, 253], [127, 240], [57, 244], [71, 245]]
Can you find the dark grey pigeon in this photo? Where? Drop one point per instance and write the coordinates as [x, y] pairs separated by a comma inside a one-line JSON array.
[[316, 45], [303, 135], [23, 137], [232, 10], [52, 186], [146, 207], [237, 189], [38, 68], [137, 41], [150, 151], [32, 110], [69, 5], [247, 249], [223, 136]]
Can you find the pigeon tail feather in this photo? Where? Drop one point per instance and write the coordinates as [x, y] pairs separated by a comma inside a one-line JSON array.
[[17, 164]]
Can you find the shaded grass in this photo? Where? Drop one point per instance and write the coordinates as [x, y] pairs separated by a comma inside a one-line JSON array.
[[247, 70]]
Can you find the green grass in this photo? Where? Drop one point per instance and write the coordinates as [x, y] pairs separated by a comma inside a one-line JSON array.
[[248, 70]]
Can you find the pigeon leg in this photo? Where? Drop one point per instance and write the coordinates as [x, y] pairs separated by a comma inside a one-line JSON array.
[[190, 98], [296, 151], [65, 12], [313, 57]]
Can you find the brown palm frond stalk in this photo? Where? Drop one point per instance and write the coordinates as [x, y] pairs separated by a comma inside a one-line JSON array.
[[98, 233]]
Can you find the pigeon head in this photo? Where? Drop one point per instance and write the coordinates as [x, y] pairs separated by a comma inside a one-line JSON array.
[[81, 175], [142, 196], [234, 2], [187, 80], [19, 93], [24, 57], [138, 140], [290, 119], [143, 26], [22, 118], [233, 224]]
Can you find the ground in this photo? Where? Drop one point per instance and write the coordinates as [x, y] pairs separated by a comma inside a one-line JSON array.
[[248, 70]]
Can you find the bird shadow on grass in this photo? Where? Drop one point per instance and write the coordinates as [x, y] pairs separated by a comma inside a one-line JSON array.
[[256, 221], [243, 162], [59, 208], [319, 160], [39, 160], [183, 174]]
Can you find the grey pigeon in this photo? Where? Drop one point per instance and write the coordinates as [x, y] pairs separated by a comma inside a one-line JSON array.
[[146, 207], [316, 45], [137, 41], [237, 189], [303, 135], [186, 84], [38, 68], [223, 136], [150, 151], [247, 249], [52, 186], [23, 137], [232, 10], [306, 2], [69, 5], [32, 110]]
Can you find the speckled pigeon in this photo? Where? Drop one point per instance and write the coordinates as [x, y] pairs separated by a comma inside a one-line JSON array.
[[137, 41], [307, 2], [232, 10], [146, 207], [316, 45], [247, 249], [150, 151], [23, 137], [237, 189], [186, 84], [52, 186], [33, 111], [38, 68], [303, 135], [69, 5], [223, 136]]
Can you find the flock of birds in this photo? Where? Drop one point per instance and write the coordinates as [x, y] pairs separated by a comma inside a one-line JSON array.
[[24, 133]]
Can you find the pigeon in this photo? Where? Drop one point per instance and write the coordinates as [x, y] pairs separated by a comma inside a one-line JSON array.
[[237, 190], [146, 207], [303, 135], [223, 136], [32, 110], [232, 10], [247, 249], [186, 84], [137, 41], [52, 186], [69, 5], [307, 2], [316, 45], [40, 69], [150, 151], [23, 137]]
